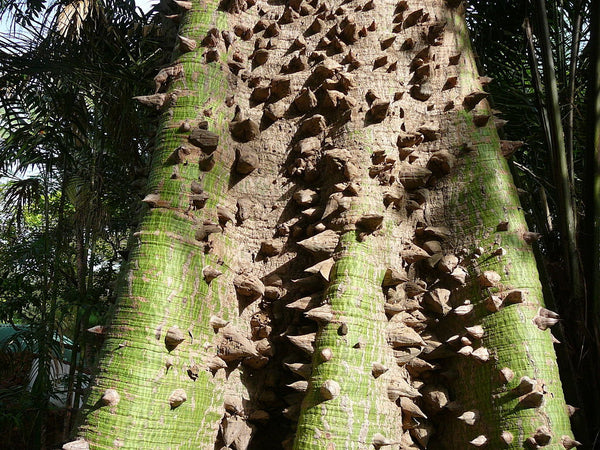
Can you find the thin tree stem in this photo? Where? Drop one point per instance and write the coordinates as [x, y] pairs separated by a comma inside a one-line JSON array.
[[537, 85], [575, 44], [568, 223]]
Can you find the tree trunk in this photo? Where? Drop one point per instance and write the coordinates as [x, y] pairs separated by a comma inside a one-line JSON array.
[[346, 227]]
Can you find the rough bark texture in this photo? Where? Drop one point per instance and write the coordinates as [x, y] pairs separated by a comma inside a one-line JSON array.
[[347, 215]]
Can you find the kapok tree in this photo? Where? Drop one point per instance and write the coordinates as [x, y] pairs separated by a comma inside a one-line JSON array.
[[333, 254]]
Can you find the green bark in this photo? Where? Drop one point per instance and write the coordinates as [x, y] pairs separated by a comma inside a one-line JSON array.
[[482, 196], [163, 287], [362, 408]]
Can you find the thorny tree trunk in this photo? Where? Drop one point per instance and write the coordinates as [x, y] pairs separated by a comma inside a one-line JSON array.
[[339, 260]]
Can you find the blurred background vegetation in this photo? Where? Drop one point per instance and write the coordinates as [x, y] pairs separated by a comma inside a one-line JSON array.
[[74, 151], [73, 155]]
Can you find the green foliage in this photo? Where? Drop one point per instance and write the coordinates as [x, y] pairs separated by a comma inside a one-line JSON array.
[[73, 152]]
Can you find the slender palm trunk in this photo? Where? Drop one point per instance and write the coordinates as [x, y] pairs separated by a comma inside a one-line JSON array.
[[560, 167], [576, 20]]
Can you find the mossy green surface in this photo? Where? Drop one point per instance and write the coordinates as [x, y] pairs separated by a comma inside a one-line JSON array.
[[351, 419], [482, 195], [163, 287]]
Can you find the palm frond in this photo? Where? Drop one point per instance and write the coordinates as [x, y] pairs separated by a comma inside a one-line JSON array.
[[18, 196], [71, 18]]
